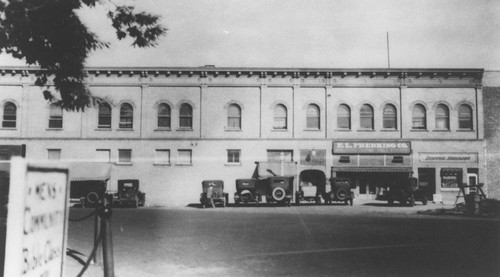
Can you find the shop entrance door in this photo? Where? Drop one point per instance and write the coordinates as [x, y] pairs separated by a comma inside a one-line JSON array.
[[427, 181]]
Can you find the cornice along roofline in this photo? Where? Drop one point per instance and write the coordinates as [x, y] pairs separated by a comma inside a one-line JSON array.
[[264, 72]]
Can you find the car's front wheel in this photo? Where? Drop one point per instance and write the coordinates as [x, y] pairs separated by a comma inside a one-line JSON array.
[[278, 194]]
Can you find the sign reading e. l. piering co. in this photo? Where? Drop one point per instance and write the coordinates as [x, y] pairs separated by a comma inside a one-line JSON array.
[[36, 220], [371, 147]]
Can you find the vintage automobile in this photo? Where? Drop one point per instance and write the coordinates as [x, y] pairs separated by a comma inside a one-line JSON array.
[[219, 196], [311, 186], [247, 191], [128, 194], [279, 189], [406, 192], [340, 191]]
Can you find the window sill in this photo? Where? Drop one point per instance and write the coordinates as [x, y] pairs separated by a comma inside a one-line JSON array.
[[183, 164], [103, 129], [366, 130], [279, 130], [466, 130], [185, 129], [123, 164], [54, 129], [450, 189], [343, 130], [125, 129], [232, 164], [389, 130], [8, 129], [442, 131], [232, 129], [312, 130], [163, 130], [419, 130], [160, 164]]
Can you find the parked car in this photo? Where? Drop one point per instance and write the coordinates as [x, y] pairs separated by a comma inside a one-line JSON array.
[[340, 191], [311, 186], [247, 191], [219, 196], [406, 193], [128, 194], [279, 189]]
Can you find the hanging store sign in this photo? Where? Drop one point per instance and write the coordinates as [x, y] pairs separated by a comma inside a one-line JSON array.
[[372, 147], [36, 220], [448, 157]]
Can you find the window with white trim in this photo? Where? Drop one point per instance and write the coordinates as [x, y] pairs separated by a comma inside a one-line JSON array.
[[162, 156], [9, 115], [55, 117], [124, 156], [233, 156], [103, 155], [54, 154], [184, 157]]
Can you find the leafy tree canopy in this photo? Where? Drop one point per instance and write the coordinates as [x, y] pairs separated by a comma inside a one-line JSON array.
[[48, 33]]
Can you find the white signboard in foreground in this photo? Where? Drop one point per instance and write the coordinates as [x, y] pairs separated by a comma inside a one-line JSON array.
[[36, 220]]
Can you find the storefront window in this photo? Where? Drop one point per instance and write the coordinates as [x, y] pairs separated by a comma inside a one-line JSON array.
[[451, 177]]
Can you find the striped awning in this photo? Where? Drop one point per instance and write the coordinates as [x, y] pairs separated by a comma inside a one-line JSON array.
[[373, 169]]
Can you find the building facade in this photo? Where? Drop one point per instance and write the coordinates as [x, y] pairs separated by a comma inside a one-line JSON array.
[[172, 128]]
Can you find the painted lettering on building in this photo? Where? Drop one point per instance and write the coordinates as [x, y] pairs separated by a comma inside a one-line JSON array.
[[371, 147]]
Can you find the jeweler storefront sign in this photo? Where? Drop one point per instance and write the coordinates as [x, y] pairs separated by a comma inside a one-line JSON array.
[[36, 220], [372, 147], [448, 157]]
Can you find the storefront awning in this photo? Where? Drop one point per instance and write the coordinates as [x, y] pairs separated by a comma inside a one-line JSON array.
[[373, 169], [88, 171]]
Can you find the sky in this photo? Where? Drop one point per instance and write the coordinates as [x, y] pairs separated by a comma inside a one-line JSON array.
[[307, 33]]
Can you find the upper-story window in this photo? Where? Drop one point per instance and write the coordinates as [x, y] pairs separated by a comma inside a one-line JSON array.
[[313, 119], [343, 117], [9, 115], [164, 115], [55, 116], [465, 117], [280, 117], [186, 116], [442, 117], [234, 116], [126, 116], [390, 117], [419, 119], [366, 117], [104, 120]]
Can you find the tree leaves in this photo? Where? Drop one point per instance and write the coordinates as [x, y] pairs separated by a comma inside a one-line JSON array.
[[48, 33]]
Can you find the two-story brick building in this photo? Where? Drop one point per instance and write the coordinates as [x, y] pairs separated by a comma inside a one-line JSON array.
[[171, 128]]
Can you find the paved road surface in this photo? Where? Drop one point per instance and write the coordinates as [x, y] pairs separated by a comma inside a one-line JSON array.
[[363, 240]]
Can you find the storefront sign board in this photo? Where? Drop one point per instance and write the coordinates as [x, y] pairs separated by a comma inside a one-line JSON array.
[[372, 147], [37, 220], [448, 157]]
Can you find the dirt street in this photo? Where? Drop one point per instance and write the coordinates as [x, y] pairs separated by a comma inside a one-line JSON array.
[[368, 239]]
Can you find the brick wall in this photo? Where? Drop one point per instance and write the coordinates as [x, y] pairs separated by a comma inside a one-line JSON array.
[[491, 98]]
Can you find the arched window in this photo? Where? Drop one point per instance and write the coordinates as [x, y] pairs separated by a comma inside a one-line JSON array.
[[126, 116], [366, 117], [186, 116], [104, 120], [465, 117], [390, 117], [442, 117], [343, 117], [9, 115], [419, 118], [313, 119], [280, 117], [55, 117], [234, 116], [164, 115]]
